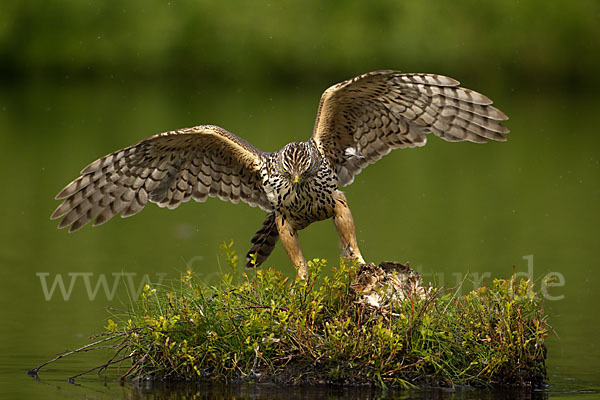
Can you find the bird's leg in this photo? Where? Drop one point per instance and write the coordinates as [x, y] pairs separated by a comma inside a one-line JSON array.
[[291, 244], [344, 224]]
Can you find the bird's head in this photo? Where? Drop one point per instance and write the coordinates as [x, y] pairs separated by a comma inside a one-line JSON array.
[[298, 162]]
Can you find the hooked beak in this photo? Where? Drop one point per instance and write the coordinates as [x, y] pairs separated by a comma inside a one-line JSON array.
[[296, 179]]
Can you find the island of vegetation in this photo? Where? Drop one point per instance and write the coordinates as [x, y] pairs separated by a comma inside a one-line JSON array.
[[362, 325]]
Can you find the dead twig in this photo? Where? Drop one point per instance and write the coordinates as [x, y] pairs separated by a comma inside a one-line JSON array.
[[87, 347], [99, 367]]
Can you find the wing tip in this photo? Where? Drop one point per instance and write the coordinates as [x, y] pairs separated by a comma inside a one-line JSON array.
[[57, 213], [64, 193], [63, 223], [75, 227], [499, 114]]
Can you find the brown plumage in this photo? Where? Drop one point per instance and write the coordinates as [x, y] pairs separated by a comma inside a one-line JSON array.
[[359, 121]]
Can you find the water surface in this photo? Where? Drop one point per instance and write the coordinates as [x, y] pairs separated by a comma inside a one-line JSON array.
[[450, 209]]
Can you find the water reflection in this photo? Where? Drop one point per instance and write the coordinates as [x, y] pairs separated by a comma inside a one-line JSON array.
[[263, 391], [188, 390]]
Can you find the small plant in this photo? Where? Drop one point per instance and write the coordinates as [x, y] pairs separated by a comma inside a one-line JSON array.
[[267, 327]]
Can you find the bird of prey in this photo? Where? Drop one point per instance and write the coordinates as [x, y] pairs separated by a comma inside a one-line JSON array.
[[358, 121]]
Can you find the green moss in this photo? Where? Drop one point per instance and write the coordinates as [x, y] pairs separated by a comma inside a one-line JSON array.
[[270, 328]]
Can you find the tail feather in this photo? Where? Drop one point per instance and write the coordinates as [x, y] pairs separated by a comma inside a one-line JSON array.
[[263, 242]]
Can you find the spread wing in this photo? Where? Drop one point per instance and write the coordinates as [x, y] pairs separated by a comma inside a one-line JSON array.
[[364, 118], [166, 169]]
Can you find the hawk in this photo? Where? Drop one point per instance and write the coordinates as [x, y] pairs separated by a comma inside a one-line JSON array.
[[358, 122]]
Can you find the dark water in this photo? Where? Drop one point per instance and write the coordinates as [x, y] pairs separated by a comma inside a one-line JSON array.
[[452, 210]]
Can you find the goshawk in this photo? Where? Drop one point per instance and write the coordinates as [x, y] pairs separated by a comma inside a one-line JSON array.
[[358, 121]]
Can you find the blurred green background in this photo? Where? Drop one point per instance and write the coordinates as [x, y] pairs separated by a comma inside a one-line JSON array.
[[532, 44], [80, 79]]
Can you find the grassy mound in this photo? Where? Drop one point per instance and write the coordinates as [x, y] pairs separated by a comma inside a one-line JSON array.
[[271, 328]]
